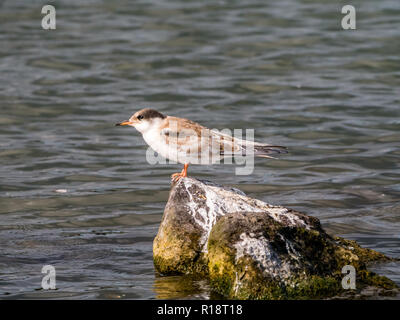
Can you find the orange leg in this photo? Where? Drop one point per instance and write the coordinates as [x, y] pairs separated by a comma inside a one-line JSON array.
[[176, 176]]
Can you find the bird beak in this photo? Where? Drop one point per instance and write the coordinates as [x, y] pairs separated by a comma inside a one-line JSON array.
[[124, 123]]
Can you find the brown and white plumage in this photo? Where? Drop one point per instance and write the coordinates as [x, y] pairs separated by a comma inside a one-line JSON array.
[[188, 142]]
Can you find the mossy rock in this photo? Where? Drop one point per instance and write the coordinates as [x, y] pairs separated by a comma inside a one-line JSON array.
[[250, 249], [193, 206], [253, 256]]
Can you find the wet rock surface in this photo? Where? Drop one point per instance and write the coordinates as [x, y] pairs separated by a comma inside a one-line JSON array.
[[252, 250]]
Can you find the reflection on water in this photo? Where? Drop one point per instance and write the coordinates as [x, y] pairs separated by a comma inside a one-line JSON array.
[[285, 69], [183, 287]]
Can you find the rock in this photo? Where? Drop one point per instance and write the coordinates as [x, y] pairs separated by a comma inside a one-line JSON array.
[[253, 256], [252, 250], [191, 211]]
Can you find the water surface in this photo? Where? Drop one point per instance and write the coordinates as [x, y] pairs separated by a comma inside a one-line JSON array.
[[285, 69]]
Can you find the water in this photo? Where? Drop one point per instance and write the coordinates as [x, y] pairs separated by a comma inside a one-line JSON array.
[[286, 69]]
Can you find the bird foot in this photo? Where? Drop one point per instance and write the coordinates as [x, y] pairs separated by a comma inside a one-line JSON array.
[[177, 176]]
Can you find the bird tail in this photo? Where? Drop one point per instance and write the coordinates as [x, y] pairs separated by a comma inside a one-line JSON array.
[[265, 151], [230, 146]]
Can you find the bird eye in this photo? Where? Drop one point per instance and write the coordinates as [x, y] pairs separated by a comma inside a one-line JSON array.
[[140, 117]]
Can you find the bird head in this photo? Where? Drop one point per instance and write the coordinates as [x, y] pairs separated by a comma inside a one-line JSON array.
[[143, 119]]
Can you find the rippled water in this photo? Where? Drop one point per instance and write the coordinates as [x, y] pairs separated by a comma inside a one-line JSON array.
[[285, 68]]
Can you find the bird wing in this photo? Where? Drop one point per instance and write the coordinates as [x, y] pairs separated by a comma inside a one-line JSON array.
[[190, 137], [231, 146], [185, 135], [228, 145]]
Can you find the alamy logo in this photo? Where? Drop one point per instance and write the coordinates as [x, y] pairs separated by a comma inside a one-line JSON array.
[[349, 280], [49, 280], [206, 147], [49, 20], [349, 20]]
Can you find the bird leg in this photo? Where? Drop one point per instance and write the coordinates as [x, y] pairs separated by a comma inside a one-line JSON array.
[[176, 176]]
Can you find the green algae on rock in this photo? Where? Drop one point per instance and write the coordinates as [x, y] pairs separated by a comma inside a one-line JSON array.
[[252, 256], [252, 250], [191, 211]]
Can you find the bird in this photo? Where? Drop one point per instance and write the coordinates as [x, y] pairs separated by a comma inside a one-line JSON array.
[[188, 142]]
